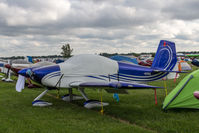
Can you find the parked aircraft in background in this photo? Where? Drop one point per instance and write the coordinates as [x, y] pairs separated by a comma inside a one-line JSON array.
[[18, 65]]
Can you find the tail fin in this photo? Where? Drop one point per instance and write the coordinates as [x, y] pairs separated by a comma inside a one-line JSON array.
[[30, 59], [165, 57]]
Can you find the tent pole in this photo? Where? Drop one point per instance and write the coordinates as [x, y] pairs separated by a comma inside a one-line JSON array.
[[156, 102], [165, 87], [175, 78]]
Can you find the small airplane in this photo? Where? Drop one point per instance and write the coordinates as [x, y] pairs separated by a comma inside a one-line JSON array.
[[2, 70], [17, 65], [94, 71], [13, 66], [6, 71]]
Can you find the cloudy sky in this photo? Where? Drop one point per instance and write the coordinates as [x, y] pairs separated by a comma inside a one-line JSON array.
[[41, 27]]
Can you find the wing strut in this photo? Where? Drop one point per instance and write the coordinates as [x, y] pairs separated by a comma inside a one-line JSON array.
[[83, 94]]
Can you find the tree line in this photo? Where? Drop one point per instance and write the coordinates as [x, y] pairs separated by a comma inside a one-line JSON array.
[[67, 52]]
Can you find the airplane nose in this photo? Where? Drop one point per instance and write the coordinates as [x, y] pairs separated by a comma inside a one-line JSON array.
[[25, 72], [41, 72]]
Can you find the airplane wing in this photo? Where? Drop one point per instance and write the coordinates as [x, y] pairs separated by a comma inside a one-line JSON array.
[[118, 85]]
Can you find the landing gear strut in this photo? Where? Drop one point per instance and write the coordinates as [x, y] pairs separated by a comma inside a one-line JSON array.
[[91, 103], [71, 97], [40, 103]]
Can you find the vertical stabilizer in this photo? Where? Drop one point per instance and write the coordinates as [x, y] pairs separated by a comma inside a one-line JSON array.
[[165, 57]]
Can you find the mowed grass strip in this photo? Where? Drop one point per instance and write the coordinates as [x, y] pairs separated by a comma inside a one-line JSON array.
[[139, 108], [135, 112]]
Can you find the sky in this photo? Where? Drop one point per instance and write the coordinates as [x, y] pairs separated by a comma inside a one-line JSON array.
[[41, 27]]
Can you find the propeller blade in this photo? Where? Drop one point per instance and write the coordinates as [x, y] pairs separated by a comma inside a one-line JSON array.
[[8, 66], [20, 83], [7, 74]]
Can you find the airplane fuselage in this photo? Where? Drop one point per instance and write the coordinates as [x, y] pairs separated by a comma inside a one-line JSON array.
[[93, 68]]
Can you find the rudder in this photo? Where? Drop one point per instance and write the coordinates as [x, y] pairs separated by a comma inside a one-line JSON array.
[[165, 57]]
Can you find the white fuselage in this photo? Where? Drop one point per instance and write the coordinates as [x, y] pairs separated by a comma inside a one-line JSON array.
[[82, 68]]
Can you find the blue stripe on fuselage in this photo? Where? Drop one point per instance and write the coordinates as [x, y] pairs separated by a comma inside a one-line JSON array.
[[130, 69], [51, 75], [40, 72], [139, 73]]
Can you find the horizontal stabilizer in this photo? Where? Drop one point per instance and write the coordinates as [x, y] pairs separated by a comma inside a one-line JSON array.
[[170, 71]]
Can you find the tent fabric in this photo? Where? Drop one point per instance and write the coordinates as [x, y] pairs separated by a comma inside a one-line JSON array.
[[192, 55], [58, 61], [124, 59], [174, 75], [180, 66], [184, 66], [183, 95]]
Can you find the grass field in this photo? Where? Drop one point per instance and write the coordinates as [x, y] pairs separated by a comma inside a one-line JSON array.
[[135, 112]]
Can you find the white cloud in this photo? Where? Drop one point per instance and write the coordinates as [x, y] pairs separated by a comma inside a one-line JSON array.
[[50, 11], [35, 27]]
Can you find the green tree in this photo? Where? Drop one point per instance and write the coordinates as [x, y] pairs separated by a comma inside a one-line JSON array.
[[66, 50]]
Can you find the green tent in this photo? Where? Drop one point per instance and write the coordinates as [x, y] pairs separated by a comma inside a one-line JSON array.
[[182, 96], [192, 55]]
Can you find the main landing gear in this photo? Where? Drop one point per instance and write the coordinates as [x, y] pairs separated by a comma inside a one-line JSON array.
[[70, 97], [88, 104], [91, 103]]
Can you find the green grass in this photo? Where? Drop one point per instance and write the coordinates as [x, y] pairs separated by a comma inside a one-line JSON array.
[[18, 116], [135, 112]]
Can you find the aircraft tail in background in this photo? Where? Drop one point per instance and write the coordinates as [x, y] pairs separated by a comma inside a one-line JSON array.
[[30, 59]]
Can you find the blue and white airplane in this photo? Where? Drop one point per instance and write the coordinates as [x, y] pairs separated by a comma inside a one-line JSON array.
[[94, 71]]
